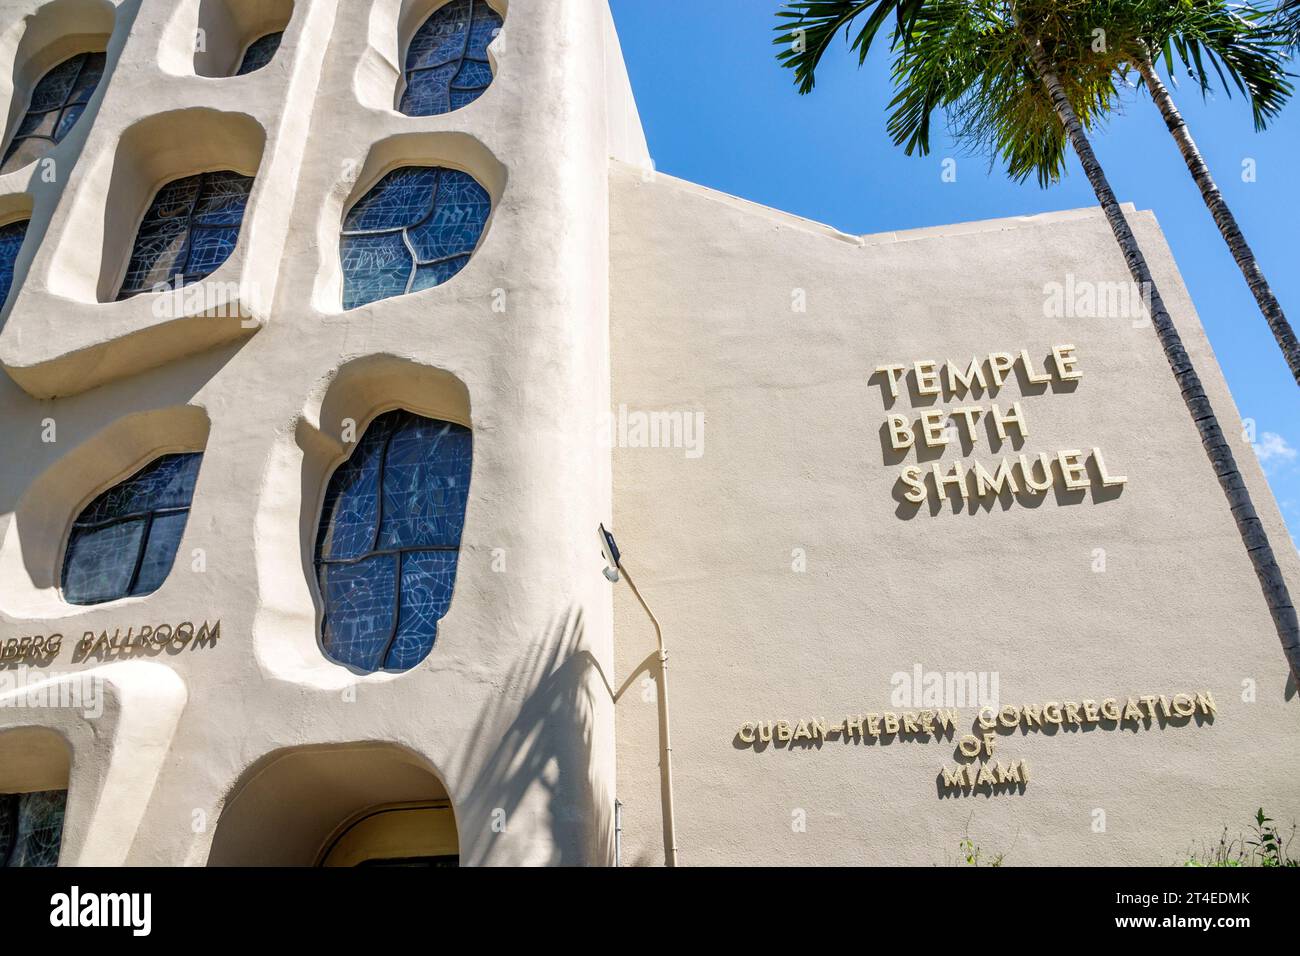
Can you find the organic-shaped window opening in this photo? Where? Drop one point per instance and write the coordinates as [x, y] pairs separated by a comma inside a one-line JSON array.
[[447, 64], [124, 543], [190, 229], [58, 100], [414, 230], [11, 243], [389, 541], [259, 53]]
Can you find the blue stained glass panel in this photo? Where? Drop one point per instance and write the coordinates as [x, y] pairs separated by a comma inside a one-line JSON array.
[[428, 579], [446, 62], [57, 102], [426, 277], [386, 562], [31, 828], [160, 550], [55, 87], [189, 230], [349, 516], [413, 219], [11, 243], [125, 541], [259, 53], [39, 124], [361, 602], [401, 199], [101, 562]]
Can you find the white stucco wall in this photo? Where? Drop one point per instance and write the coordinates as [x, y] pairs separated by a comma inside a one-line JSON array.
[[792, 464], [510, 711]]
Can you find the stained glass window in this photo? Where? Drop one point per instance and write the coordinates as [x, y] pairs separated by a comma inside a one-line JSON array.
[[259, 53], [59, 99], [389, 540], [11, 241], [414, 230], [31, 828], [124, 542], [190, 229], [447, 63]]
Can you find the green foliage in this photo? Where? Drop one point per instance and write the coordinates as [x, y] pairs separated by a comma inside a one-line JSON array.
[[807, 28], [974, 61], [1287, 21], [971, 855], [1263, 846]]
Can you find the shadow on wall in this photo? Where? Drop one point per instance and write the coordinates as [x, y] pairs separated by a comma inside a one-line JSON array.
[[42, 40], [226, 28], [60, 455], [546, 751]]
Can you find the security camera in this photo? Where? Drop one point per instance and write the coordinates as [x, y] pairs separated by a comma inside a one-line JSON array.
[[609, 547]]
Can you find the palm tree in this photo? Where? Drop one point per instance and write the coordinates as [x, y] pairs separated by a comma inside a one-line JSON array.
[[1243, 49], [1288, 21], [989, 64]]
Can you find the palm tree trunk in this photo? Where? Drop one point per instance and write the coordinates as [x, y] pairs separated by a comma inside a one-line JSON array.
[[1216, 446], [1223, 218]]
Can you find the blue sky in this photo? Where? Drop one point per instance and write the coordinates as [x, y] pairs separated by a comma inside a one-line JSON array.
[[717, 110]]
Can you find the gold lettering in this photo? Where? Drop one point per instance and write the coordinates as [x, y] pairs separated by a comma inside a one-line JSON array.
[[927, 377], [1028, 366], [955, 477], [1107, 479], [1072, 469], [969, 413], [974, 373], [911, 476], [992, 484], [1015, 416], [1063, 356], [894, 374], [932, 430], [956, 778], [900, 433]]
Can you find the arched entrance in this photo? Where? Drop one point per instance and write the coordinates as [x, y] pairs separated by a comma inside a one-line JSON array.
[[363, 804]]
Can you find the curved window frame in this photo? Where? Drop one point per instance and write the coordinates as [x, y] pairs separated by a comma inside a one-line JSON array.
[[8, 262], [392, 423], [443, 95], [363, 226], [155, 217], [77, 96], [262, 60], [189, 465]]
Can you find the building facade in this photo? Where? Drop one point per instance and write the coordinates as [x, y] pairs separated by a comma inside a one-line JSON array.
[[334, 330]]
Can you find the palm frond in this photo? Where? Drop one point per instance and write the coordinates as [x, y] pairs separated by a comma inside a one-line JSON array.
[[1286, 20], [807, 28], [1240, 44]]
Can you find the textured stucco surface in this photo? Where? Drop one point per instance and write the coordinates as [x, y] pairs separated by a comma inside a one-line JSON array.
[[701, 320], [510, 711]]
